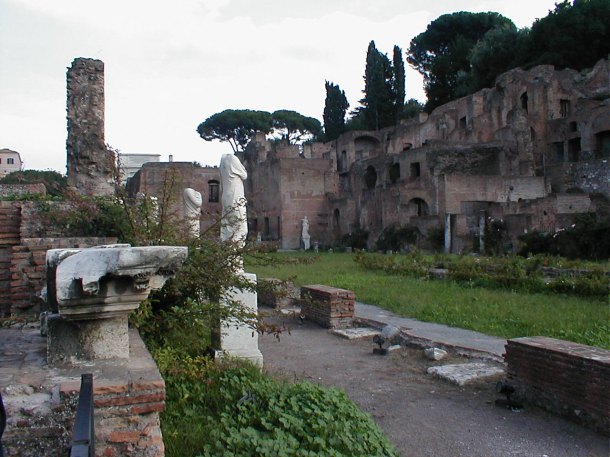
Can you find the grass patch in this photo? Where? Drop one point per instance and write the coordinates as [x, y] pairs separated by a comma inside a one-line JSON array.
[[499, 312]]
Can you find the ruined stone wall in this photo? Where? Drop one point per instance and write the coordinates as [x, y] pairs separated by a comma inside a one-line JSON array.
[[16, 190], [90, 164], [566, 378], [505, 149], [24, 241], [41, 402]]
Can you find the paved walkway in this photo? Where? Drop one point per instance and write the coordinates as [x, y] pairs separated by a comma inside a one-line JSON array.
[[427, 333]]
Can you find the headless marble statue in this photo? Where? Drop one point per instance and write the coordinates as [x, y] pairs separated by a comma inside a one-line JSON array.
[[192, 210], [234, 223]]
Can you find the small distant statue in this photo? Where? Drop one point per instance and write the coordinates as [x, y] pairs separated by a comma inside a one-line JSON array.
[[192, 210], [305, 233], [234, 224]]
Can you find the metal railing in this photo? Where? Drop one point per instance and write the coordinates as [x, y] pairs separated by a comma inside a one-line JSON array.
[[2, 424], [83, 437]]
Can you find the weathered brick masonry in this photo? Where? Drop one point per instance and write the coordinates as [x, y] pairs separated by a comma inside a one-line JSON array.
[[41, 402], [328, 306], [24, 241], [563, 377]]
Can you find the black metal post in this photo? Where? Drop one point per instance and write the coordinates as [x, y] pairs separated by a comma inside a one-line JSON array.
[[83, 437]]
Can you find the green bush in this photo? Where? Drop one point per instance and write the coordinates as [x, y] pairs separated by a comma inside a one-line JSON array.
[[240, 412], [396, 237]]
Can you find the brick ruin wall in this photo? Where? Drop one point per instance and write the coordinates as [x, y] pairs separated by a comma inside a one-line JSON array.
[[41, 403], [91, 166], [328, 306], [23, 245], [566, 378]]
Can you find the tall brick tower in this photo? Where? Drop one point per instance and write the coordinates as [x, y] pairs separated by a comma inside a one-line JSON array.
[[90, 163]]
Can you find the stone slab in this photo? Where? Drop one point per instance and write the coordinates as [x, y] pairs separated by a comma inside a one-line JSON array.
[[464, 373], [354, 333]]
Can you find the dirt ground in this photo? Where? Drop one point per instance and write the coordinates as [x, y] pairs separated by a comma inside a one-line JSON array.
[[423, 416]]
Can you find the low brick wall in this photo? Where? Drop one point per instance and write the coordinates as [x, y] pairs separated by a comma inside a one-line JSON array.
[[328, 306], [566, 378], [27, 269], [41, 402]]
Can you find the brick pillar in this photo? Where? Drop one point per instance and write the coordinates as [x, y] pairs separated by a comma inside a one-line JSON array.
[[90, 164]]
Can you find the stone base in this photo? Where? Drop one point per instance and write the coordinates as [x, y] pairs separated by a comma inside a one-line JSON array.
[[242, 341], [69, 341]]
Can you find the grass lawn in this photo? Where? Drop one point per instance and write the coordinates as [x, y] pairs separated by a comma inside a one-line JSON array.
[[497, 312]]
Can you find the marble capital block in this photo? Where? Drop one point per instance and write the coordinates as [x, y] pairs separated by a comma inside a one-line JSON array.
[[92, 291]]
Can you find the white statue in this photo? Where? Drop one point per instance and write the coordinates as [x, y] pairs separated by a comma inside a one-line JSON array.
[[305, 233], [234, 223], [192, 210]]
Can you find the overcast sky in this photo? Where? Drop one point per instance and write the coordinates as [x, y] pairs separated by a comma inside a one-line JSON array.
[[171, 64]]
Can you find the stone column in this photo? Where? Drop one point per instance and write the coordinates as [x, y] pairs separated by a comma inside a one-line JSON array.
[[482, 219], [90, 164], [447, 233]]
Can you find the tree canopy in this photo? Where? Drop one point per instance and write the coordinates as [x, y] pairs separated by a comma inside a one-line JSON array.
[[574, 35], [294, 127], [384, 89], [442, 53], [335, 109], [236, 127]]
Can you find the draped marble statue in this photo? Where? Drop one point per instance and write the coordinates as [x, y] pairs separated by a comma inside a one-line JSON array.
[[234, 223], [192, 210], [305, 233]]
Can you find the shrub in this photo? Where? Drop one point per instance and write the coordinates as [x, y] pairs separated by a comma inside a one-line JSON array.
[[246, 413], [396, 238]]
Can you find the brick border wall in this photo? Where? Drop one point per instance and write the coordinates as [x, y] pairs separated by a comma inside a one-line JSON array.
[[128, 394], [328, 306], [566, 378]]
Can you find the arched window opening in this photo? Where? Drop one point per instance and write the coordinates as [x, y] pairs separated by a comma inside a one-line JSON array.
[[370, 177], [418, 207]]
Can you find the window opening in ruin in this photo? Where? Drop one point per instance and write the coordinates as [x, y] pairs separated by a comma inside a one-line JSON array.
[[279, 228], [602, 147], [557, 150], [419, 207], [564, 107], [213, 191], [266, 228], [463, 122], [573, 127], [415, 170], [523, 99], [336, 222], [574, 150], [10, 161], [342, 161], [394, 172], [370, 177], [254, 225], [0, 160]]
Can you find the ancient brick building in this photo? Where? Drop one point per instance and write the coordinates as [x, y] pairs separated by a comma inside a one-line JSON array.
[[157, 178], [532, 151]]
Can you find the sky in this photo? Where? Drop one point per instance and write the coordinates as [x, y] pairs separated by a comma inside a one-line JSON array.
[[169, 65]]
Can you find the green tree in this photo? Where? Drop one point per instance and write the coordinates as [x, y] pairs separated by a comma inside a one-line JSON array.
[[498, 51], [236, 127], [378, 105], [335, 108], [442, 53], [411, 108], [398, 82], [294, 127], [574, 35]]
